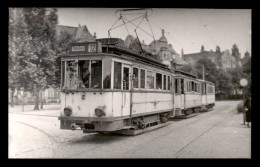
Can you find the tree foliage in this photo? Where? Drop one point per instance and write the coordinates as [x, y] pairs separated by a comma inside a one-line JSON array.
[[32, 48]]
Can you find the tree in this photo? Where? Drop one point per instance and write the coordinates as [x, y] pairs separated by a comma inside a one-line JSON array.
[[41, 25], [63, 46], [223, 82], [202, 49], [209, 68], [235, 52], [19, 65], [182, 52], [218, 49], [187, 68]]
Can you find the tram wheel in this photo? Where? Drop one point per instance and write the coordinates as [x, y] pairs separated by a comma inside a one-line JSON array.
[[188, 112]]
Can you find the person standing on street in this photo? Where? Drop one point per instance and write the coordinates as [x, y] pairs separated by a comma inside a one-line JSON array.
[[247, 106]]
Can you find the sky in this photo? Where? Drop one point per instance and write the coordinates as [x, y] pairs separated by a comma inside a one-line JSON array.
[[185, 29]]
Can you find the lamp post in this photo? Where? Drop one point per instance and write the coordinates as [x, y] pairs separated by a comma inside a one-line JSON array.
[[243, 82]]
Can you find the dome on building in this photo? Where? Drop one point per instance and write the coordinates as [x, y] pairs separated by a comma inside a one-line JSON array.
[[163, 38]]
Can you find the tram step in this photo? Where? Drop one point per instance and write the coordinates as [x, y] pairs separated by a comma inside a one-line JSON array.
[[185, 116], [135, 132]]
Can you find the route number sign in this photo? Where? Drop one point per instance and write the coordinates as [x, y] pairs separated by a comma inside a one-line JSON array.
[[92, 47]]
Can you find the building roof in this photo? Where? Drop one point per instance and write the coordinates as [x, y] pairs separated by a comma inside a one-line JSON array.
[[80, 33]]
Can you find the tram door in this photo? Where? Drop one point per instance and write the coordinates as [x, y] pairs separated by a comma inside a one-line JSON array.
[[182, 93], [126, 91], [204, 96]]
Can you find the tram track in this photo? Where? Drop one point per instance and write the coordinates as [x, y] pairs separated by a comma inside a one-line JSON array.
[[202, 116], [159, 137], [50, 137], [179, 153]]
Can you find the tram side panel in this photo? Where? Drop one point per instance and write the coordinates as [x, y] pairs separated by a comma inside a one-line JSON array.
[[145, 103], [192, 100], [210, 99]]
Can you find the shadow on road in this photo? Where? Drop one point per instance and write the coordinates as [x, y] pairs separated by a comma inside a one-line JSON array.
[[99, 138]]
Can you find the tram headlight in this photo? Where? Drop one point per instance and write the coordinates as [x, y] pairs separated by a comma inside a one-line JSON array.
[[100, 111], [67, 111]]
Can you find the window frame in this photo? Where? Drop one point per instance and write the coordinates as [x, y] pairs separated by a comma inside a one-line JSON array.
[[145, 80], [111, 71], [139, 82], [169, 83], [121, 79], [164, 84], [154, 80]]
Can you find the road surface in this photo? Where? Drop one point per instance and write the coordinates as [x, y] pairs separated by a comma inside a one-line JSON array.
[[214, 134]]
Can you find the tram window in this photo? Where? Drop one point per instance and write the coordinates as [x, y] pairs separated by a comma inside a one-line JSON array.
[[136, 77], [63, 73], [142, 78], [107, 74], [84, 73], [188, 86], [169, 83], [164, 82], [150, 80], [158, 81], [71, 75], [117, 75], [96, 74], [126, 78], [182, 86], [192, 86], [175, 85]]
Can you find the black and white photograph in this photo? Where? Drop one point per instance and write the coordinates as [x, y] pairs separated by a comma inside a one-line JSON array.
[[129, 83]]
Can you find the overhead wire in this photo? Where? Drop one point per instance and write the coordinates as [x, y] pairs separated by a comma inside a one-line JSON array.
[[204, 25], [140, 28], [167, 33]]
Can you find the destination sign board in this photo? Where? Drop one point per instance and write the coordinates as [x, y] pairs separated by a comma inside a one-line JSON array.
[[77, 48], [86, 47]]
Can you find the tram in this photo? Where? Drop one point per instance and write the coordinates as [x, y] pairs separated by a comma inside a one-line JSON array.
[[107, 87]]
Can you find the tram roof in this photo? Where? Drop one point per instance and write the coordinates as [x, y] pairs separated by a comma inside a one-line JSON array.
[[118, 46], [186, 74], [206, 81]]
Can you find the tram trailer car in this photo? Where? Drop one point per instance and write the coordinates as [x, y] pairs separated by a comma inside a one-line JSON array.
[[109, 88], [192, 95]]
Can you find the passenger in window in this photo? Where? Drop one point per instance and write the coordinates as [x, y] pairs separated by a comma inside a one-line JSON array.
[[80, 84], [86, 78], [71, 78]]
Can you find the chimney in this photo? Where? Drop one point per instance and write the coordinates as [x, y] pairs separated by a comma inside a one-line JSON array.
[[79, 25], [162, 32], [95, 35]]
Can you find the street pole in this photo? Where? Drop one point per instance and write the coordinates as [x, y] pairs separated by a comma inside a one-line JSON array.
[[244, 111], [243, 82]]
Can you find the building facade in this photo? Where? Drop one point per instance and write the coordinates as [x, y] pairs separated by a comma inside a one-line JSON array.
[[223, 60], [160, 48]]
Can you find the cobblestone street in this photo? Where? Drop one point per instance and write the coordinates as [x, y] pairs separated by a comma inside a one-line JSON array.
[[215, 134]]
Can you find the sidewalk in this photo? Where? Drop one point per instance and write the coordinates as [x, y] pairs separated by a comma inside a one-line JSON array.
[[48, 110]]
